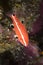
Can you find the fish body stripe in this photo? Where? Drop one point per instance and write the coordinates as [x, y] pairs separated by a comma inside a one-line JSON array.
[[19, 30]]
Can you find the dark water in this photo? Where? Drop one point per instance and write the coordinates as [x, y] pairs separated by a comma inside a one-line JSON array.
[[5, 5], [7, 58]]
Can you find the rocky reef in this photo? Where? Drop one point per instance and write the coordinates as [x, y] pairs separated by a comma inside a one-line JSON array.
[[30, 13]]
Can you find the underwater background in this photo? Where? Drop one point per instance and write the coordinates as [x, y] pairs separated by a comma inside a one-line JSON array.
[[30, 12]]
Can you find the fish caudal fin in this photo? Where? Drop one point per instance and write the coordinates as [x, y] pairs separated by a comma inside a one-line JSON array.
[[31, 51]]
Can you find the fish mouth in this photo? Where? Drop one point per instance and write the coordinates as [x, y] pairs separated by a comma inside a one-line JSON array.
[[10, 13]]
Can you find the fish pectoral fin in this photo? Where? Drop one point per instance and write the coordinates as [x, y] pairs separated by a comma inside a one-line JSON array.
[[11, 25], [15, 36]]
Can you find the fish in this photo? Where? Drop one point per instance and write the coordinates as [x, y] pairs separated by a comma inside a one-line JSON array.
[[20, 30], [23, 37]]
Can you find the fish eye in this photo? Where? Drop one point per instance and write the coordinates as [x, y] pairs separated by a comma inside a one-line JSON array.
[[11, 25], [16, 37]]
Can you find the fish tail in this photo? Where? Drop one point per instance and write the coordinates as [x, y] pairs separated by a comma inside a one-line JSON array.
[[31, 51]]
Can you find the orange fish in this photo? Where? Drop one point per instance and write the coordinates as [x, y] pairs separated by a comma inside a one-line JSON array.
[[20, 30]]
